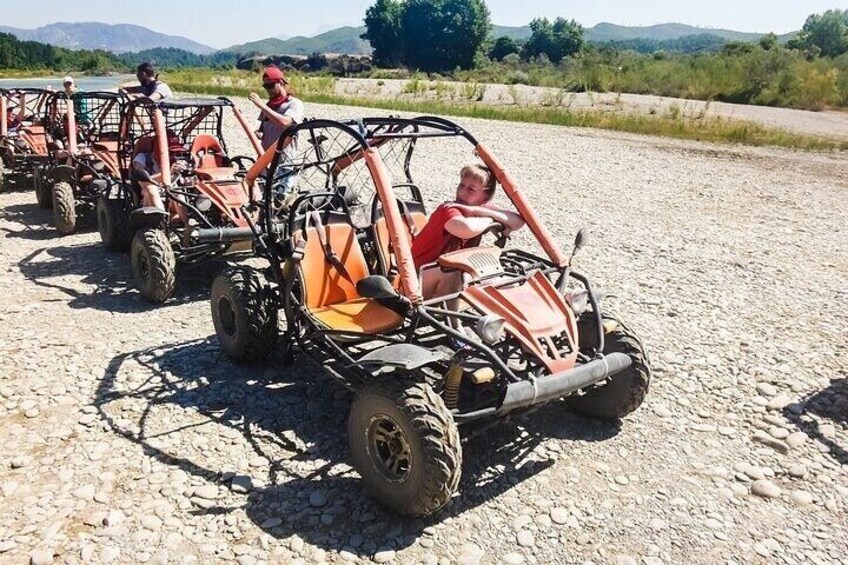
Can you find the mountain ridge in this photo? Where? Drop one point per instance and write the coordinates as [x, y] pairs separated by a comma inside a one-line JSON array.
[[117, 38]]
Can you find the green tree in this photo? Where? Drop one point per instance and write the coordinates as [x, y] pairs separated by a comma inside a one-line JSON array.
[[382, 31], [441, 35], [558, 39], [502, 47], [431, 35], [769, 41], [827, 33]]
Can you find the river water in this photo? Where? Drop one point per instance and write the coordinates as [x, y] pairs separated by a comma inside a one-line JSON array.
[[83, 82]]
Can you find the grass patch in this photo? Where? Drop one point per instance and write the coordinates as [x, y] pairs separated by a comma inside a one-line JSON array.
[[673, 125]]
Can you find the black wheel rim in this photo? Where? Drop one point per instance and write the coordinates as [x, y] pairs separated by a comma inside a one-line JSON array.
[[227, 316], [389, 449]]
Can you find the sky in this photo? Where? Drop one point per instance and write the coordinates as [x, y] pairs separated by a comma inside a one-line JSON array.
[[221, 24]]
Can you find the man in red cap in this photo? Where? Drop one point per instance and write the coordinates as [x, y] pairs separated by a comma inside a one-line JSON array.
[[282, 109]]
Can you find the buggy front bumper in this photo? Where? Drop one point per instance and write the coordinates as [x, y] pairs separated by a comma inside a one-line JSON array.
[[550, 387]]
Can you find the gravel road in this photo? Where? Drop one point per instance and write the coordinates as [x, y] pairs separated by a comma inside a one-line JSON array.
[[127, 436]]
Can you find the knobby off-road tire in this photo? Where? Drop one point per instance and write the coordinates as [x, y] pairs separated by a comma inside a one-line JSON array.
[[43, 191], [625, 391], [244, 314], [64, 208], [113, 223], [154, 265], [405, 445], [2, 175]]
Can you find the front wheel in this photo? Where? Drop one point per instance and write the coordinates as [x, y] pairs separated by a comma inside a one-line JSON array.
[[43, 194], [405, 444], [113, 223], [154, 265], [625, 391], [244, 314], [64, 208]]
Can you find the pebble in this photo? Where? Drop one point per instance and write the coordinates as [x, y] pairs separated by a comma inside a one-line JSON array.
[[241, 484], [317, 499], [766, 389], [41, 557], [798, 471], [559, 515], [801, 497], [384, 556], [776, 444], [151, 522], [207, 492], [779, 403], [513, 559], [765, 489], [584, 539], [525, 538], [796, 439], [6, 545], [470, 554]]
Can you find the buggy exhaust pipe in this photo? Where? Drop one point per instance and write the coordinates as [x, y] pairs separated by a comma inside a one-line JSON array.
[[550, 387], [227, 235]]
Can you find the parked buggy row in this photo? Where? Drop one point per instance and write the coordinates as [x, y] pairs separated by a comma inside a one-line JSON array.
[[331, 211]]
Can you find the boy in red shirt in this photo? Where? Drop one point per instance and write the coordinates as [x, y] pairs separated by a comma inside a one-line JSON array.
[[453, 224]]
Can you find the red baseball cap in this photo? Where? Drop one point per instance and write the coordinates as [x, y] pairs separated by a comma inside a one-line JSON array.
[[273, 73]]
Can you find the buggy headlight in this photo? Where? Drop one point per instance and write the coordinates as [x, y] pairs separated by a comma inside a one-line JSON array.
[[20, 143], [578, 300], [490, 328], [203, 203]]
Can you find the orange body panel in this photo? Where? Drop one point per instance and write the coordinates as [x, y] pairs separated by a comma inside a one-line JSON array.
[[534, 313], [229, 196], [35, 139]]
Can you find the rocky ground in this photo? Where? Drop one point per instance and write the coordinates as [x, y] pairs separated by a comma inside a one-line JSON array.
[[127, 436]]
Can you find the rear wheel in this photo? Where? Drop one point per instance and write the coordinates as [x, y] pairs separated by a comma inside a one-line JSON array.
[[113, 223], [244, 314], [43, 192], [625, 391], [154, 265], [64, 208], [405, 444]]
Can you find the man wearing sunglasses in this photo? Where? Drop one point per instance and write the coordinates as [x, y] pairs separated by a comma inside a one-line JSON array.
[[282, 109]]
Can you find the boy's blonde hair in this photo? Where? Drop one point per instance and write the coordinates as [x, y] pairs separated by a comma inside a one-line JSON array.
[[482, 174]]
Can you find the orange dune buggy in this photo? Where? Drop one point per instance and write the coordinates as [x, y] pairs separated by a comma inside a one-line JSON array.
[[209, 194], [23, 142], [83, 131], [525, 330]]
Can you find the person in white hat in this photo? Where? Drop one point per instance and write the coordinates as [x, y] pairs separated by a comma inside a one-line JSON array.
[[68, 83]]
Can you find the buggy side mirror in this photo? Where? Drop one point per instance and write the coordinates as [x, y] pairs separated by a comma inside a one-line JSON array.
[[375, 286], [579, 242], [580, 239]]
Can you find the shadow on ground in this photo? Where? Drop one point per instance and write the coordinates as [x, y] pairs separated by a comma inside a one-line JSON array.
[[294, 422], [36, 222], [111, 276], [826, 407]]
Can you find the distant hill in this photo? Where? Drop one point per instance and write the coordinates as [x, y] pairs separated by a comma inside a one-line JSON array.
[[117, 38], [346, 39], [606, 32], [340, 40]]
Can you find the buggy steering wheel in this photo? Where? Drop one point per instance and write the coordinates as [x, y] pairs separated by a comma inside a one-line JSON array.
[[500, 232]]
